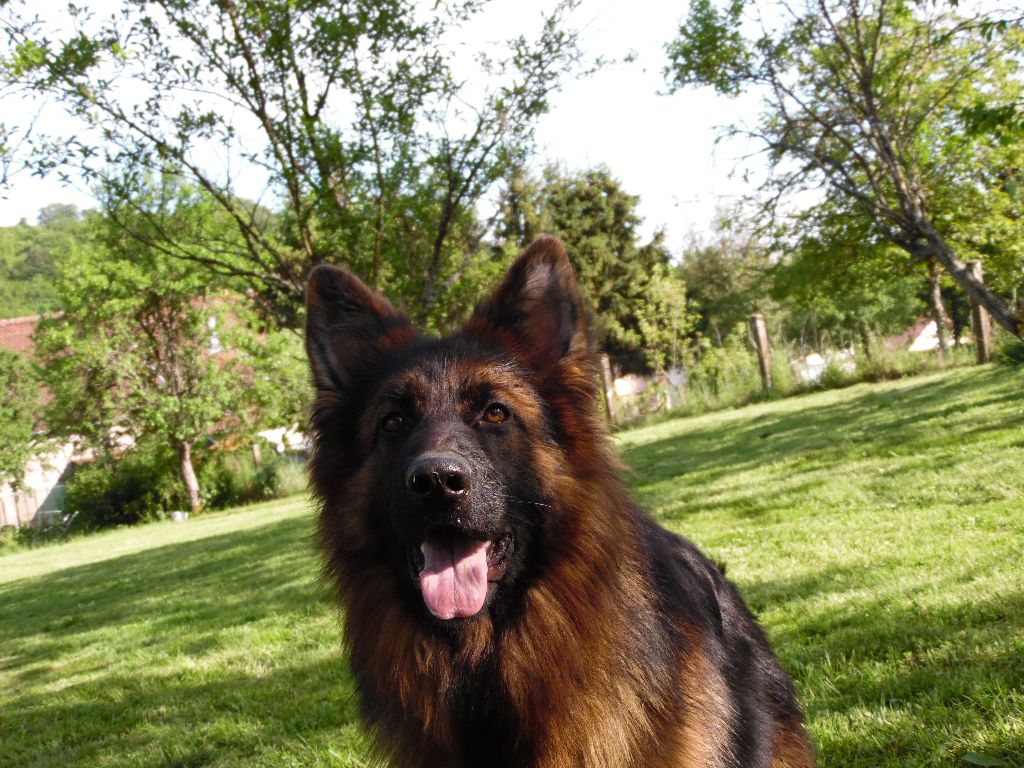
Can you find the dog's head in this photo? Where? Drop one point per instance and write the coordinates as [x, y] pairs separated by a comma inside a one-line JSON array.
[[438, 457]]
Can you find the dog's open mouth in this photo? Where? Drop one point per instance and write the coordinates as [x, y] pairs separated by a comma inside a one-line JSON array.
[[455, 570]]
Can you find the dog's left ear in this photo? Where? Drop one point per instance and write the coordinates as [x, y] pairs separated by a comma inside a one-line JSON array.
[[537, 311]]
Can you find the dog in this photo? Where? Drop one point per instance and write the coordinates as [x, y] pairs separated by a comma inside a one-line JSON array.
[[505, 603]]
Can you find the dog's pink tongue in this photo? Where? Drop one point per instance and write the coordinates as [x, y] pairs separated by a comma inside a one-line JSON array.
[[454, 577]]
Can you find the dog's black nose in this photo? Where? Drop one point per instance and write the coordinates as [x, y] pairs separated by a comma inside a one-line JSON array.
[[445, 473]]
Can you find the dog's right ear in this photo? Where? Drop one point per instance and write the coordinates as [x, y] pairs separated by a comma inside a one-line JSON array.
[[348, 327]]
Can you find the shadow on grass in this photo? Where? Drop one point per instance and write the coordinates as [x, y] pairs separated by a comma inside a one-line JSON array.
[[895, 422], [223, 647], [900, 660], [223, 651], [203, 585], [917, 683], [230, 718]]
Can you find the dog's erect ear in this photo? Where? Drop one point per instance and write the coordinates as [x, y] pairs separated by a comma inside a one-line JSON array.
[[348, 327], [537, 311]]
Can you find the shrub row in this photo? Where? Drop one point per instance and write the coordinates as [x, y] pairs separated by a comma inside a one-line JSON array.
[[145, 484], [728, 376]]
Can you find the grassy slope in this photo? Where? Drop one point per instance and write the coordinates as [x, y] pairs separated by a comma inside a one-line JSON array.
[[879, 533], [877, 530]]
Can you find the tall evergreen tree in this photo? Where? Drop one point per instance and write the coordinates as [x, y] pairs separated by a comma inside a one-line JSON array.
[[593, 213]]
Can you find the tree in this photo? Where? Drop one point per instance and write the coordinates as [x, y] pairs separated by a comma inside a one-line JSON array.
[[375, 147], [836, 279], [138, 349], [19, 410], [866, 101], [29, 255], [664, 320], [725, 277], [591, 211]]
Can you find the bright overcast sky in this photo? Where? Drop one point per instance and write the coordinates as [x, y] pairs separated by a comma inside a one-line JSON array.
[[661, 147]]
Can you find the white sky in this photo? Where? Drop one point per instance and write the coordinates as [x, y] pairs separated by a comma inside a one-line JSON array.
[[661, 147]]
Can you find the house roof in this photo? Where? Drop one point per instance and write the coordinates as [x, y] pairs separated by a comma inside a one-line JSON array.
[[16, 333]]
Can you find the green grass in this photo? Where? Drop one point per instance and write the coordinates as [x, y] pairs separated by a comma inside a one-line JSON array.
[[877, 530]]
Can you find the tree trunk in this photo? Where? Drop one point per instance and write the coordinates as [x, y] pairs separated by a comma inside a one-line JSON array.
[[759, 336], [188, 474], [955, 312], [935, 247], [938, 310], [865, 337], [980, 320], [608, 388]]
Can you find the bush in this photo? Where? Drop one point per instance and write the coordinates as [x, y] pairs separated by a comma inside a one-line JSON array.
[[1009, 350], [723, 376], [890, 364], [291, 476], [143, 484], [729, 376], [784, 383], [28, 536], [8, 539], [228, 478], [836, 375]]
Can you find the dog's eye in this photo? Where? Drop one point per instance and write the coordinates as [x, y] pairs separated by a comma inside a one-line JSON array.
[[393, 422], [495, 413]]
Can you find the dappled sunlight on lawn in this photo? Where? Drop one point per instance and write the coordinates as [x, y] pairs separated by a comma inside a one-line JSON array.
[[220, 650], [875, 530]]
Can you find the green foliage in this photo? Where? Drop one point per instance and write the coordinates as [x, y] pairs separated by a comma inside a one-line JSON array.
[[839, 282], [890, 364], [273, 374], [597, 218], [20, 402], [835, 375], [724, 376], [728, 376], [230, 478], [871, 103], [376, 149], [29, 256], [131, 347], [664, 319], [784, 379], [710, 49], [141, 485], [1009, 350], [725, 276], [24, 537], [139, 347]]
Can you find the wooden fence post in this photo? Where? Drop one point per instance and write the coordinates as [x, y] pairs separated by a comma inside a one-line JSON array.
[[609, 388], [759, 333], [981, 324]]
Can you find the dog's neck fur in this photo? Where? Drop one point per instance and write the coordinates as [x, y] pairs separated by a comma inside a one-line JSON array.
[[467, 682]]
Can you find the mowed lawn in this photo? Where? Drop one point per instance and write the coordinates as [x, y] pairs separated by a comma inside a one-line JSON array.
[[878, 531]]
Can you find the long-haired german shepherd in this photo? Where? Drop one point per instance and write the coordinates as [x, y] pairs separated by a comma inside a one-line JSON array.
[[505, 603]]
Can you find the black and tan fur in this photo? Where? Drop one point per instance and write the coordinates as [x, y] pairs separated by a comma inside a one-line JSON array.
[[608, 641]]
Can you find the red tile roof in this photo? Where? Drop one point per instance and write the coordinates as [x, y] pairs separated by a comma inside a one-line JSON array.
[[16, 333]]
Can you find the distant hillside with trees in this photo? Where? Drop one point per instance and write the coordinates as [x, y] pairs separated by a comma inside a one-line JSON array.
[[29, 254]]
